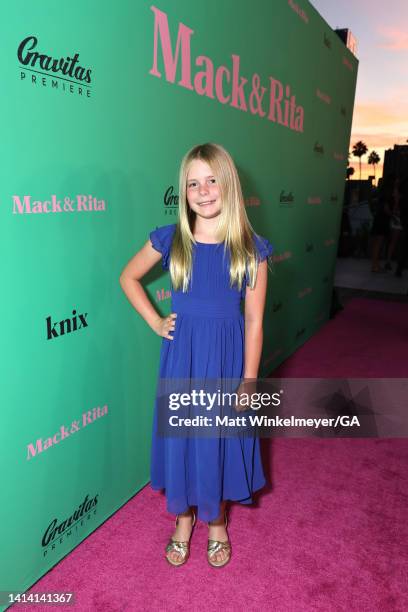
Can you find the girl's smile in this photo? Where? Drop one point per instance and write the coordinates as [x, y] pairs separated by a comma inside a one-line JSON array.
[[207, 203]]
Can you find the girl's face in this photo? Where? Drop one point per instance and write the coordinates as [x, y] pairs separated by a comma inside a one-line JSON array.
[[203, 194]]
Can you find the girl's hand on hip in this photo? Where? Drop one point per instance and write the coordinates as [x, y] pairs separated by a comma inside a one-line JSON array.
[[165, 325]]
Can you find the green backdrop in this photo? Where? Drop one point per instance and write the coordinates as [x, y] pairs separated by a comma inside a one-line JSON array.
[[90, 159]]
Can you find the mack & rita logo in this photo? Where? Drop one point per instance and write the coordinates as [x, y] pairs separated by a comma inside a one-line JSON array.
[[25, 204], [252, 201], [162, 294]]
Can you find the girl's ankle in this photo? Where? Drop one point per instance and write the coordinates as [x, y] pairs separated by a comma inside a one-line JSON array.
[[217, 523], [189, 514]]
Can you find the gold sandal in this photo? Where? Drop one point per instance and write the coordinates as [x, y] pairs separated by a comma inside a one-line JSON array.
[[214, 546], [183, 548]]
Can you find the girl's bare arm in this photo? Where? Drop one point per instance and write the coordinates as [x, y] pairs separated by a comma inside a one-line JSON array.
[[133, 272], [254, 312]]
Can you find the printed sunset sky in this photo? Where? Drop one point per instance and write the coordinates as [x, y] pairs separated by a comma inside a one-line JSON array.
[[380, 116]]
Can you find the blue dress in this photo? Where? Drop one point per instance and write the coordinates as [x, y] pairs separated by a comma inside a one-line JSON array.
[[208, 341]]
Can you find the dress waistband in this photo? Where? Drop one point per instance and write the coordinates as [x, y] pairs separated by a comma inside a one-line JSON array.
[[206, 307]]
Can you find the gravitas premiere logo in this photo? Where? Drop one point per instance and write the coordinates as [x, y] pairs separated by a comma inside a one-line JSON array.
[[171, 201], [60, 530], [223, 83], [58, 73]]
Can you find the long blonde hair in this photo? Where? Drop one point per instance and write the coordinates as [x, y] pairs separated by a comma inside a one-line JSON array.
[[234, 228]]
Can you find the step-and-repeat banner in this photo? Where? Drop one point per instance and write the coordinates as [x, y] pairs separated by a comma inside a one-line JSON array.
[[100, 101]]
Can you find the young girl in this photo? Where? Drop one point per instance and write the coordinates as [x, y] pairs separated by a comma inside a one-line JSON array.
[[215, 260]]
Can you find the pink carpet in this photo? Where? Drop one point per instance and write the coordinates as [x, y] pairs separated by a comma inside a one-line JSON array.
[[368, 339], [329, 534]]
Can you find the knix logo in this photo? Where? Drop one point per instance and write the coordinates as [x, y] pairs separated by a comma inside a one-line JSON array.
[[66, 326]]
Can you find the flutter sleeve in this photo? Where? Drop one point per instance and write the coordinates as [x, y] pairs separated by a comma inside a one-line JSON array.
[[263, 247], [263, 250], [161, 239]]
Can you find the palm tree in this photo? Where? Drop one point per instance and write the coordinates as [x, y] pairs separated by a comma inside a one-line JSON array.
[[360, 149], [373, 159]]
